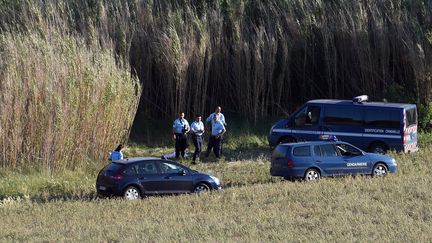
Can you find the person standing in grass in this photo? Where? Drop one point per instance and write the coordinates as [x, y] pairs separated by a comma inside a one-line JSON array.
[[197, 130], [221, 116], [216, 138], [180, 129], [117, 154]]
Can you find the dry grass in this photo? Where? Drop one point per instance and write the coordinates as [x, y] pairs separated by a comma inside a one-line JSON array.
[[252, 207]]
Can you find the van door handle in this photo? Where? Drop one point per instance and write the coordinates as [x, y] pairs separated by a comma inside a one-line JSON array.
[[141, 178], [168, 177], [318, 161]]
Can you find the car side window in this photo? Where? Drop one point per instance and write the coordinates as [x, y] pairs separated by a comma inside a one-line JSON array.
[[169, 168], [347, 150], [328, 150], [130, 170], [317, 151], [148, 167], [302, 151]]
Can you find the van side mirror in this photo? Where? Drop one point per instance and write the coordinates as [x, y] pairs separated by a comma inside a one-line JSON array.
[[182, 172]]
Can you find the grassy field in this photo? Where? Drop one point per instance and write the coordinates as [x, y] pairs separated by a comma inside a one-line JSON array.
[[252, 207]]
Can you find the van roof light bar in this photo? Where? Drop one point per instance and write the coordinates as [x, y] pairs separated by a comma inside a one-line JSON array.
[[360, 99], [328, 137]]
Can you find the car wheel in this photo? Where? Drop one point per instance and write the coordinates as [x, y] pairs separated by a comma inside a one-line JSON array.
[[132, 193], [379, 170], [378, 148], [287, 140], [312, 175], [201, 187]]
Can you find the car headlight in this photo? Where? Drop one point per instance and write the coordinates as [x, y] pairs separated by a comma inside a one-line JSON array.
[[393, 161], [215, 179]]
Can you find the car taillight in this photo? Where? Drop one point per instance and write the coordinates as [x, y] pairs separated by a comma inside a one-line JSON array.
[[118, 176], [290, 163]]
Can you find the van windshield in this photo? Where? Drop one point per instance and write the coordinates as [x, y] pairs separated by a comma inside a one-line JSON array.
[[411, 117]]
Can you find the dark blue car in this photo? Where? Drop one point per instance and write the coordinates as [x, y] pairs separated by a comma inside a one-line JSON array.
[[311, 160], [134, 178]]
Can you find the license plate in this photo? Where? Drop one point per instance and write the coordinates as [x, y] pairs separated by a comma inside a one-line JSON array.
[[102, 188]]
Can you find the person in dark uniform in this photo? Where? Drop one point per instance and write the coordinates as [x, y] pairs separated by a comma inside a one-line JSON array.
[[197, 130], [216, 138], [180, 129]]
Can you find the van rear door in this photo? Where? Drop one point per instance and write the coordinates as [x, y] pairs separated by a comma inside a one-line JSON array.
[[410, 129]]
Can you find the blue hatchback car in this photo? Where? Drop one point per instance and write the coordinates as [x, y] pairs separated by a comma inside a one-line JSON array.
[[311, 160], [134, 178]]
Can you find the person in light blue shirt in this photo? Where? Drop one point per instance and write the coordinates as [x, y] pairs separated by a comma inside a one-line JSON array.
[[117, 154], [221, 116], [180, 129], [197, 130], [216, 138]]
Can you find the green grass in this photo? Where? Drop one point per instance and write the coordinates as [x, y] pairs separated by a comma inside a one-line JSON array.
[[253, 206]]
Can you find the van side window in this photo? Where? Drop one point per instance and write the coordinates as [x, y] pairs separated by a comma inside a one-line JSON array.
[[328, 150], [382, 118], [343, 116], [302, 151], [411, 117], [307, 116]]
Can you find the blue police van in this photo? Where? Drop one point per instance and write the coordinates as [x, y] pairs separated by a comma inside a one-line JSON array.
[[371, 126]]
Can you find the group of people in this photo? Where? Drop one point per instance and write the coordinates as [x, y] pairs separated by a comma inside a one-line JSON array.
[[181, 128]]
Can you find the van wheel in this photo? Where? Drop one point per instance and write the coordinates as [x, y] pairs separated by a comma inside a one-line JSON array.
[[378, 147], [287, 140], [379, 170], [312, 175]]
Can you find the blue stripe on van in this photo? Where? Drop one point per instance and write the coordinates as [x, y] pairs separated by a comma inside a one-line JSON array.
[[371, 135]]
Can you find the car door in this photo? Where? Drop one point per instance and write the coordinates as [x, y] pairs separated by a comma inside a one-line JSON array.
[[149, 177], [355, 161], [328, 160], [176, 178]]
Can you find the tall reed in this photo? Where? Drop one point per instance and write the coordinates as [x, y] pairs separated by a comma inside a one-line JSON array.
[[63, 102]]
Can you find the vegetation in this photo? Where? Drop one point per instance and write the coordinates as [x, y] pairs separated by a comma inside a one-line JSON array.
[[62, 97], [252, 207], [256, 58], [60, 100]]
